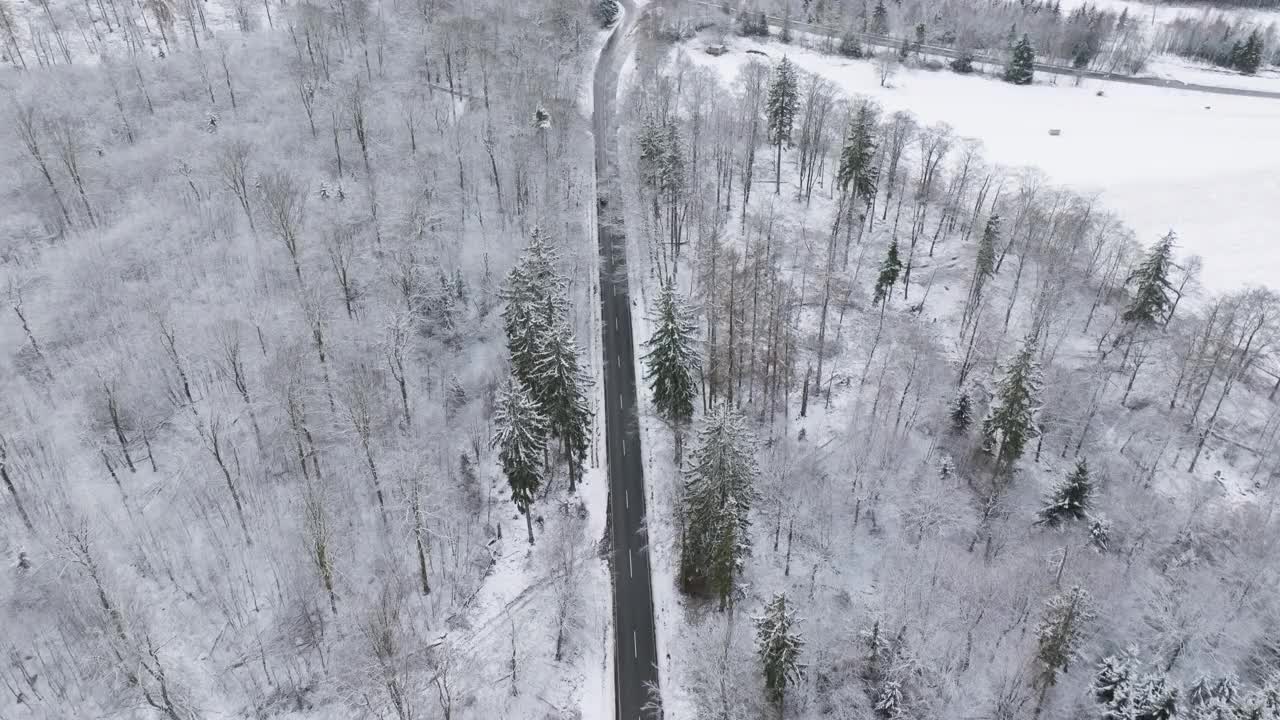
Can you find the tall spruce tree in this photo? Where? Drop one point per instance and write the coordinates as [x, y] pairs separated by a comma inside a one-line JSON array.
[[1125, 693], [535, 299], [1059, 636], [563, 399], [858, 171], [1151, 301], [960, 412], [779, 645], [1249, 58], [1011, 420], [783, 103], [718, 492], [606, 11], [880, 19], [672, 357], [984, 267], [890, 268], [1022, 63], [520, 437], [1071, 498]]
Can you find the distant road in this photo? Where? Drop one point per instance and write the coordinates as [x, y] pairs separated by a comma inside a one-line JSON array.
[[635, 646], [888, 41]]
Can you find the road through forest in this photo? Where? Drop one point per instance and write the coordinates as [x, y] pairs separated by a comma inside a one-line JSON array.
[[635, 646]]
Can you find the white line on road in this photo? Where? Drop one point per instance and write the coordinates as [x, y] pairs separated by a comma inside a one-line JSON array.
[[631, 563], [619, 399], [624, 448], [615, 323], [626, 496], [635, 645], [619, 361]]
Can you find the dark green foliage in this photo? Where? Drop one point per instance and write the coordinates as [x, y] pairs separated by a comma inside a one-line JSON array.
[[1021, 67], [783, 102], [672, 358], [850, 47], [1150, 301], [779, 647], [961, 412], [562, 399], [1248, 58], [963, 64], [890, 268], [1127, 694], [718, 493], [1071, 499], [1060, 635], [858, 170], [519, 435], [753, 24], [880, 19], [1010, 423]]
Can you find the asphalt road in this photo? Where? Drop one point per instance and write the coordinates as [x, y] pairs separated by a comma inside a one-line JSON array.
[[635, 649]]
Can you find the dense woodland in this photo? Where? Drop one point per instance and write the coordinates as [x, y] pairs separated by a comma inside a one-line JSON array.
[[938, 438], [253, 264]]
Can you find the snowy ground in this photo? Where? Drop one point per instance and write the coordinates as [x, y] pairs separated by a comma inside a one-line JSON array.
[[1171, 67], [1154, 14], [1203, 165]]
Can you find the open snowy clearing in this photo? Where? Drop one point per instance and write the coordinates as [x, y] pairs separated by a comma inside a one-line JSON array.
[[1203, 165], [1171, 67]]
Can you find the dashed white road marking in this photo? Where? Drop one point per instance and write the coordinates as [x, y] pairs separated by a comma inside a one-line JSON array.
[[631, 563]]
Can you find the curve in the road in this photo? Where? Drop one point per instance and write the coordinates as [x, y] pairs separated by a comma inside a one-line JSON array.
[[635, 643]]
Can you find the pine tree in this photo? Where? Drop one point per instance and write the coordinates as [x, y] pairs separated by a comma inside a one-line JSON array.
[[961, 412], [880, 19], [1249, 57], [984, 267], [849, 46], [1059, 636], [1022, 63], [562, 385], [1071, 499], [1150, 301], [520, 436], [606, 12], [858, 172], [718, 493], [1125, 694], [672, 358], [783, 103], [888, 277], [779, 647], [1011, 419], [536, 299]]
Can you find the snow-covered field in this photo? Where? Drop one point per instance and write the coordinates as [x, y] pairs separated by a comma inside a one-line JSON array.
[[1207, 166], [1171, 67]]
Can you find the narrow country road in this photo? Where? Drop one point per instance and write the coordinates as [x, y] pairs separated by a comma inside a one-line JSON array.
[[635, 649]]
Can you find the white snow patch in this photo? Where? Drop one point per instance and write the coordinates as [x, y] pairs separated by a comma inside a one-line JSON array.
[[1204, 165]]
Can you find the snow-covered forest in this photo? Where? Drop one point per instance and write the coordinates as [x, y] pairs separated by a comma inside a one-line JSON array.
[[254, 264], [957, 443]]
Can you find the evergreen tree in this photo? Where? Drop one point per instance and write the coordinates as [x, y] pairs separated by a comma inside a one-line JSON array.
[[520, 436], [858, 172], [536, 299], [783, 103], [672, 358], [880, 19], [849, 46], [606, 11], [1150, 301], [1011, 419], [1249, 58], [961, 412], [718, 493], [1070, 499], [985, 263], [1022, 63], [1127, 694], [562, 385], [1059, 636], [888, 277], [779, 647], [1123, 21], [963, 64]]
